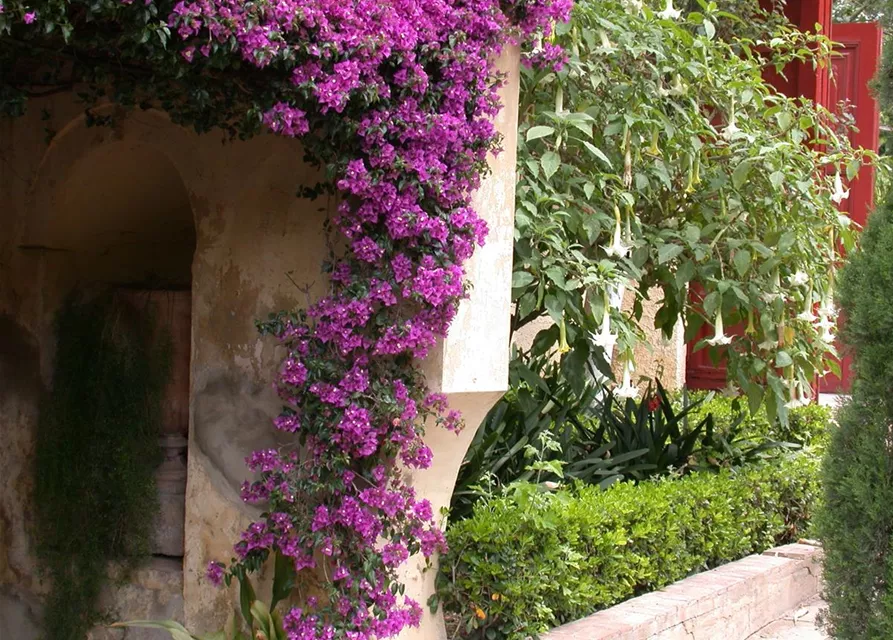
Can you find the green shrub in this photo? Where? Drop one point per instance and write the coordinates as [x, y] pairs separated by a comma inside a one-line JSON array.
[[856, 523], [529, 559]]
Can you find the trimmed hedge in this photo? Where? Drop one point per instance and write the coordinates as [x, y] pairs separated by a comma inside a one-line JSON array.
[[532, 559]]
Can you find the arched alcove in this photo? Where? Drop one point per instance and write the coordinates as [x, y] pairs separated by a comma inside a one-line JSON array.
[[122, 216]]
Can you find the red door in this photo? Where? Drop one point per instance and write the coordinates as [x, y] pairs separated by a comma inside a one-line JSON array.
[[855, 66], [859, 53]]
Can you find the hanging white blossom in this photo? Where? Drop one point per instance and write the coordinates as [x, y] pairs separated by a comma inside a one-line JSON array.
[[627, 389], [839, 194], [731, 131], [801, 396], [617, 248], [605, 339], [670, 12], [719, 337]]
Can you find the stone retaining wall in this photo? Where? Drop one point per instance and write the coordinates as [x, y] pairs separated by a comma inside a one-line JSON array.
[[730, 602]]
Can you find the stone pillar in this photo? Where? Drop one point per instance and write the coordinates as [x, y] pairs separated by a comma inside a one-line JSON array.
[[171, 312], [471, 365]]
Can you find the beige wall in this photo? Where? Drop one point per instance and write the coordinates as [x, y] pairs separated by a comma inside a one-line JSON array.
[[98, 205]]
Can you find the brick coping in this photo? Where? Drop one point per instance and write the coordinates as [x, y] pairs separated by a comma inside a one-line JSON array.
[[730, 602]]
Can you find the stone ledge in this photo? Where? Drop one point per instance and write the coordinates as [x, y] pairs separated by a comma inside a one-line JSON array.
[[732, 601]]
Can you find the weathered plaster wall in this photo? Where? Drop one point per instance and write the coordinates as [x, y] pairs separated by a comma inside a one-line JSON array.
[[252, 237], [253, 240]]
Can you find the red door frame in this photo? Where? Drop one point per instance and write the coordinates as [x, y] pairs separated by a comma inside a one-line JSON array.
[[860, 48]]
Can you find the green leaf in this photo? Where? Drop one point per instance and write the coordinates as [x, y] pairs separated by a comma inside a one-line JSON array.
[[785, 119], [667, 252], [685, 273], [783, 359], [541, 131], [741, 260], [709, 29], [263, 620], [556, 275], [777, 179], [588, 190], [583, 127], [246, 599], [283, 579], [521, 279], [742, 171], [550, 163], [555, 306], [598, 153]]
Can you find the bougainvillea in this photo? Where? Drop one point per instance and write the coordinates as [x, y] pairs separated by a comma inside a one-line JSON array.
[[396, 100]]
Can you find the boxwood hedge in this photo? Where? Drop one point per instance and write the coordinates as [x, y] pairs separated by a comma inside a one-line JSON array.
[[533, 558]]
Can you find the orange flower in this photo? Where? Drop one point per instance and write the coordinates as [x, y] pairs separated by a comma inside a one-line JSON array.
[[480, 613]]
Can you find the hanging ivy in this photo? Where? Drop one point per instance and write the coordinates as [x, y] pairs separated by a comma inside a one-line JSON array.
[[96, 452]]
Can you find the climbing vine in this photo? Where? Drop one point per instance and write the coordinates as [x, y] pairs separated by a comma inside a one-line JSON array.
[[396, 100]]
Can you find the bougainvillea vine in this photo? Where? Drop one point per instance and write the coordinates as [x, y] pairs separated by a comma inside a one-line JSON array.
[[351, 390], [396, 100]]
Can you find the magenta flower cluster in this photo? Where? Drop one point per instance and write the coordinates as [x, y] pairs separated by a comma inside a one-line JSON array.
[[396, 98]]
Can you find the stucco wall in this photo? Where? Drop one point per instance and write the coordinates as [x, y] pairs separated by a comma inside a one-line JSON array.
[[254, 239]]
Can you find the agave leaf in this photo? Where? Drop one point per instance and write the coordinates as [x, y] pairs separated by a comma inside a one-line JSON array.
[[283, 579], [177, 630]]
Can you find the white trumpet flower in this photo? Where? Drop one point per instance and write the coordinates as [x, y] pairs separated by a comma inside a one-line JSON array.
[[719, 337], [731, 131], [670, 12], [618, 248], [605, 339], [799, 279], [606, 46], [627, 389], [801, 396], [840, 194]]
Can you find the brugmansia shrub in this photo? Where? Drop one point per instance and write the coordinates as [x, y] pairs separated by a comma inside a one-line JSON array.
[[660, 155], [856, 524], [96, 450], [529, 559]]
